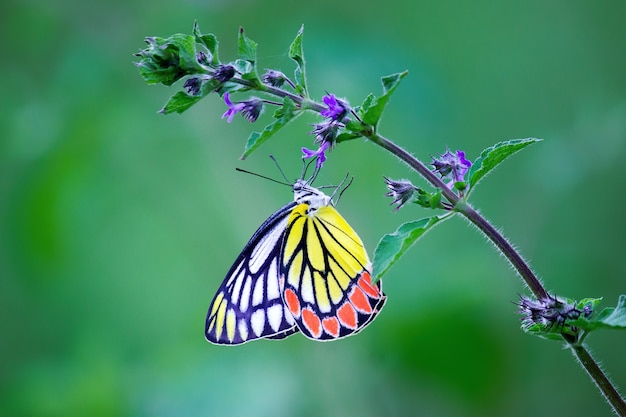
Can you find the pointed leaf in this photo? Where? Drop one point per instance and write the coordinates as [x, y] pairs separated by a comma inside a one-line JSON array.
[[493, 156], [179, 102], [282, 116], [372, 110], [246, 49], [392, 246], [611, 317], [296, 53], [209, 40]]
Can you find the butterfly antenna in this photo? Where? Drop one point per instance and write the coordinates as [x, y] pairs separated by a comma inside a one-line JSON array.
[[344, 188], [263, 176], [305, 168], [279, 168]]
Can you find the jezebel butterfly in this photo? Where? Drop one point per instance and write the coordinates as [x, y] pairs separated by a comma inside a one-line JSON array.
[[305, 269]]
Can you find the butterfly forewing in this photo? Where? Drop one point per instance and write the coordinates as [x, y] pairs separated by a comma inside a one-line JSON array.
[[325, 274], [305, 269], [248, 305]]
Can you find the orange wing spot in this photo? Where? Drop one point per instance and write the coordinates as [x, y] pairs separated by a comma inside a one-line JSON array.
[[360, 301], [347, 315], [365, 282], [293, 304], [312, 322], [331, 325]]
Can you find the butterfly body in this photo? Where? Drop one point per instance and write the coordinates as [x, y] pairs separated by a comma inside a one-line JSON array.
[[304, 269]]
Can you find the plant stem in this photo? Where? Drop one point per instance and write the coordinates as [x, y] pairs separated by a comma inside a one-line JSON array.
[[600, 379], [472, 215], [582, 354]]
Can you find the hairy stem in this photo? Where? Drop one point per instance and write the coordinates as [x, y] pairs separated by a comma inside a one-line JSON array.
[[600, 379], [472, 215], [582, 354]]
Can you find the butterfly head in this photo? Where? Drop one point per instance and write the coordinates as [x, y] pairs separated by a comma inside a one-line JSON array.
[[303, 193]]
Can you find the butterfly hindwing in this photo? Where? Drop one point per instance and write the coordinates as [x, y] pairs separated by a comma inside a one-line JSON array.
[[325, 275], [248, 305]]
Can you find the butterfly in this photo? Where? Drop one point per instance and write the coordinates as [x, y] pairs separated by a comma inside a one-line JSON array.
[[304, 270]]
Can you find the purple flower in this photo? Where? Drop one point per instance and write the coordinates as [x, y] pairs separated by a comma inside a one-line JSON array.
[[250, 109], [549, 313], [274, 78], [192, 85], [401, 191], [224, 73], [319, 153], [337, 108], [452, 167], [233, 109], [325, 131]]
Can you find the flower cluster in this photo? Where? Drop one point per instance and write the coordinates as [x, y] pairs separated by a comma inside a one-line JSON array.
[[451, 167], [550, 313], [326, 131]]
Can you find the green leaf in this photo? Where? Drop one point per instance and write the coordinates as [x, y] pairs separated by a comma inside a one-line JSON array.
[[392, 246], [286, 113], [364, 107], [345, 136], [179, 102], [355, 129], [247, 52], [296, 53], [493, 156], [372, 109], [209, 40], [185, 45], [166, 60], [608, 318], [246, 47]]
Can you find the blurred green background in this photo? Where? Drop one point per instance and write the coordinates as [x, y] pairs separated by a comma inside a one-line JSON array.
[[117, 224]]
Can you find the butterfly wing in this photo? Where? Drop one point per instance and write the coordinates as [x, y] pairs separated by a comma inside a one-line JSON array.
[[325, 275], [248, 305]]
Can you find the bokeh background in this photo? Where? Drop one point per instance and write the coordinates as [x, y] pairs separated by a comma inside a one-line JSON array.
[[117, 224]]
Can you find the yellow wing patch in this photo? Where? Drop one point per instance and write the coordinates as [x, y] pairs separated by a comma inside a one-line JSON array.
[[326, 279]]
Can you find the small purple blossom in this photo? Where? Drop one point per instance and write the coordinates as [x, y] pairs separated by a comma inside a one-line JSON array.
[[274, 78], [452, 167], [319, 153], [192, 85], [337, 108], [202, 58], [325, 131], [224, 73], [250, 109], [233, 109], [401, 191]]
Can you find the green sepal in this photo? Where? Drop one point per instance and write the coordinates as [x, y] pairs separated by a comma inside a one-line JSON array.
[[345, 136], [392, 246], [435, 200], [296, 52], [552, 333], [493, 156], [209, 41], [373, 107], [428, 200], [283, 115]]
